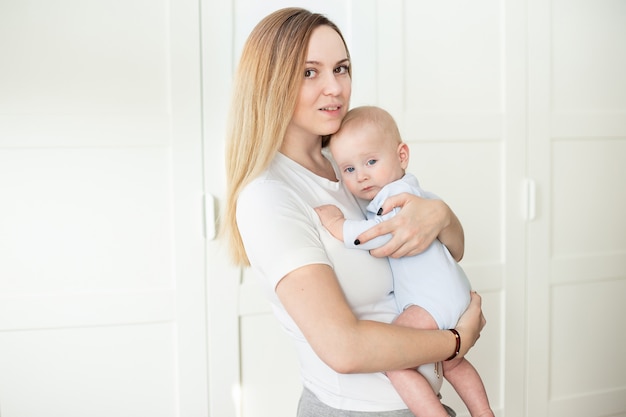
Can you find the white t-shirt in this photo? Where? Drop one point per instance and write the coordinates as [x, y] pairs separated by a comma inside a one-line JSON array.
[[282, 232]]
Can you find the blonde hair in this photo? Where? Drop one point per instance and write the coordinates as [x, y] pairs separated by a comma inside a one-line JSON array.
[[265, 92]]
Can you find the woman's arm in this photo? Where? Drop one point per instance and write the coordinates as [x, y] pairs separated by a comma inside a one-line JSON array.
[[416, 226], [313, 298]]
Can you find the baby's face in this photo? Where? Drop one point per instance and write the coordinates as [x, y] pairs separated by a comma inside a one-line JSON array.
[[366, 159]]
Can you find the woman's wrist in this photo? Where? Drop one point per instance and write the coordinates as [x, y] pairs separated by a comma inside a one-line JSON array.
[[470, 324], [457, 341]]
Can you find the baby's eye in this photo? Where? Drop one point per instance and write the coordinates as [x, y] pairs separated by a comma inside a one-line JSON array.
[[349, 169], [371, 162]]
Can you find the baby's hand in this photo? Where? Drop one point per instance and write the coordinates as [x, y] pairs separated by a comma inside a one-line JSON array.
[[332, 219]]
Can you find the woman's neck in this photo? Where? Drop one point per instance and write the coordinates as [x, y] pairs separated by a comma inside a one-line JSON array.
[[308, 153]]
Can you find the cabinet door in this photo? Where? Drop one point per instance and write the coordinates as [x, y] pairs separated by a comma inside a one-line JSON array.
[[442, 73], [102, 304], [577, 246]]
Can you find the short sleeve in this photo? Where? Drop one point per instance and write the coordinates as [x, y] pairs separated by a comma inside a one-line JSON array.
[[280, 231]]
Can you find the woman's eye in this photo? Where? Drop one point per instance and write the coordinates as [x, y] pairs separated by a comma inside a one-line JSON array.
[[342, 69], [309, 73]]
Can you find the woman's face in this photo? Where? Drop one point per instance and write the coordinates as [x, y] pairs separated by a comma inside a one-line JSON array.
[[326, 86]]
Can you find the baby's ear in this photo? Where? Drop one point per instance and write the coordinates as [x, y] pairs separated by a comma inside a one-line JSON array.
[[403, 155]]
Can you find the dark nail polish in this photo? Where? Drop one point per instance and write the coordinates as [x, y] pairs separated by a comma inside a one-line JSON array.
[[380, 211], [357, 242]]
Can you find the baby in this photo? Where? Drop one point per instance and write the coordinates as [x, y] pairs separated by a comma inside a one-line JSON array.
[[431, 289]]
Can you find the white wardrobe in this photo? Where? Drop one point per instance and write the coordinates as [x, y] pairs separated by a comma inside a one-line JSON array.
[[115, 298], [515, 111], [102, 252]]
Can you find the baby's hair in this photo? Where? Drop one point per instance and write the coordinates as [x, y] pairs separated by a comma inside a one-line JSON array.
[[372, 115]]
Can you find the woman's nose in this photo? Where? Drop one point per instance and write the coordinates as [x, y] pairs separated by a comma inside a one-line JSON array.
[[332, 86]]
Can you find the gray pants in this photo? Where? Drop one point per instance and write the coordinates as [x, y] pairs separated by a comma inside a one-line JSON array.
[[310, 406]]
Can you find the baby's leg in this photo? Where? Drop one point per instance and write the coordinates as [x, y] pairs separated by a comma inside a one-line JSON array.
[[468, 384], [413, 388]]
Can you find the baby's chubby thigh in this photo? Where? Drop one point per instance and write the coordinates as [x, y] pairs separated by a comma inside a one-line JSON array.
[[416, 317], [419, 318]]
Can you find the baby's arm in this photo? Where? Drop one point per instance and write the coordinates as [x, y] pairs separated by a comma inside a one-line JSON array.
[[332, 219], [347, 230]]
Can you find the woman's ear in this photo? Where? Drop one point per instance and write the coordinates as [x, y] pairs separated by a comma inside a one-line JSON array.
[[403, 155]]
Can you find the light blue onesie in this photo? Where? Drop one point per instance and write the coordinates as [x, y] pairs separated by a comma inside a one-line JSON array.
[[432, 279]]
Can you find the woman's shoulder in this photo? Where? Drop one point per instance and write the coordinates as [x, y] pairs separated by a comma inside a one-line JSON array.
[[265, 190], [284, 182], [276, 178], [271, 178], [271, 193]]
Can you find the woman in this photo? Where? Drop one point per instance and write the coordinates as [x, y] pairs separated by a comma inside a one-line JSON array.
[[291, 90]]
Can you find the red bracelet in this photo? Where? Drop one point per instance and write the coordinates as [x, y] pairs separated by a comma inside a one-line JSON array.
[[457, 349]]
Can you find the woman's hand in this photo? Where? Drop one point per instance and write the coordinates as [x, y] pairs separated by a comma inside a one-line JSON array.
[[471, 323], [416, 226]]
